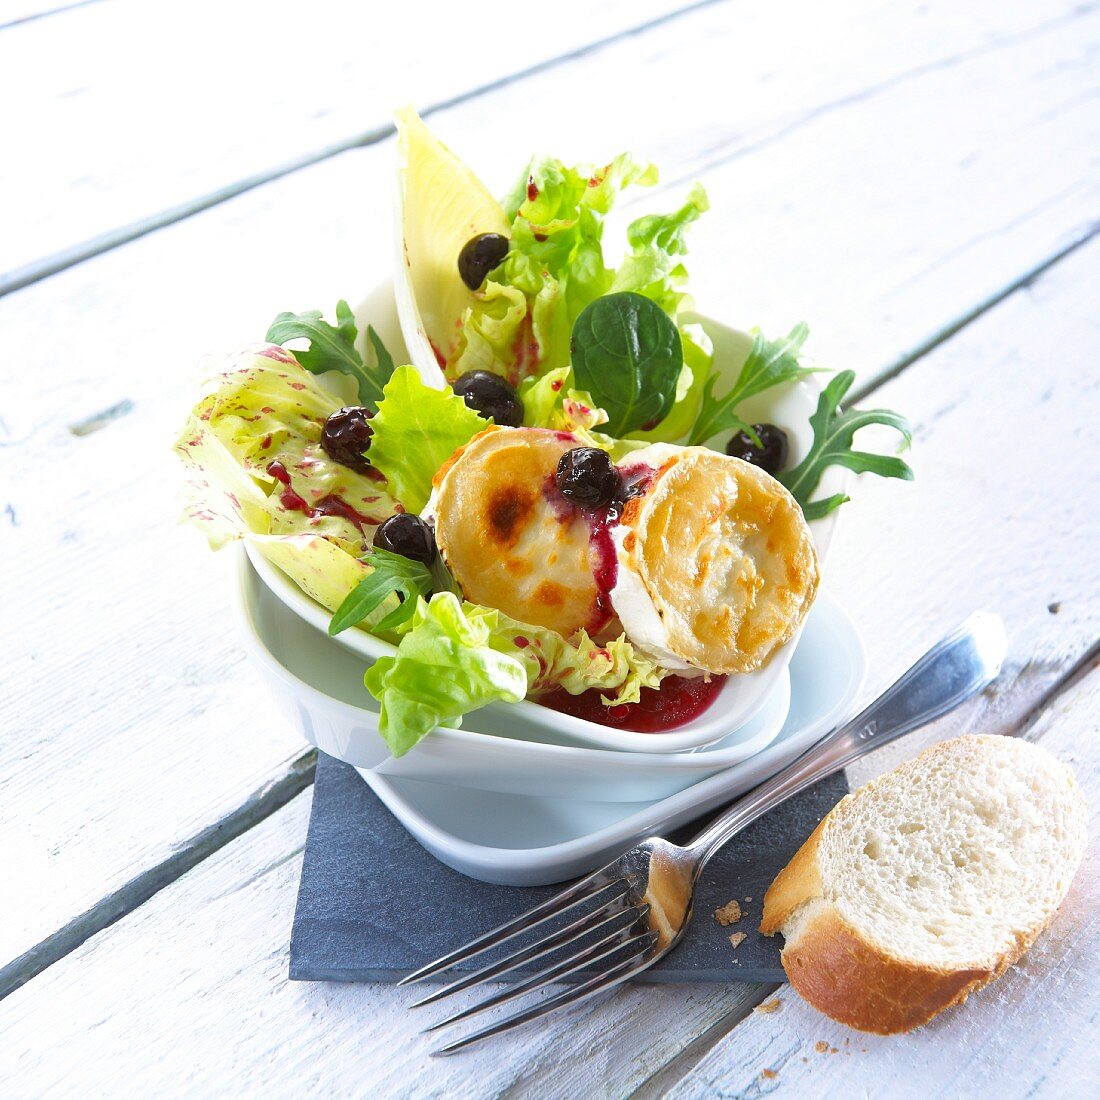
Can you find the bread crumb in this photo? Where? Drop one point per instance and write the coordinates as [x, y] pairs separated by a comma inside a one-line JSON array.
[[738, 938], [730, 913], [766, 1007], [770, 1074], [749, 898], [821, 1046]]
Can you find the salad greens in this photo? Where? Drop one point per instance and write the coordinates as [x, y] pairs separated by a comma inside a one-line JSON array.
[[454, 657], [416, 429], [261, 408], [520, 323], [445, 667], [610, 355], [264, 408], [627, 353], [333, 348], [832, 446]]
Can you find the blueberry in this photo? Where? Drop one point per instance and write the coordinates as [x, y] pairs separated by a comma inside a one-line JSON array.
[[489, 395], [407, 535], [479, 256], [587, 478], [771, 455], [346, 435]]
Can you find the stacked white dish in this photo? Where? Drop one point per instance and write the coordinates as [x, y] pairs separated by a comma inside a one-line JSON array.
[[505, 809]]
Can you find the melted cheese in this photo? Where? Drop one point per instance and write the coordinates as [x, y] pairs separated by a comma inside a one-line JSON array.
[[717, 566], [508, 539]]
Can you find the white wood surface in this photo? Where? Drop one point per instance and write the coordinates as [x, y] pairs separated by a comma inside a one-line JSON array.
[[881, 170], [177, 101]]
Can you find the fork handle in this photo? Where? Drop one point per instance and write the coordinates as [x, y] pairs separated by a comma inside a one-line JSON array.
[[953, 670]]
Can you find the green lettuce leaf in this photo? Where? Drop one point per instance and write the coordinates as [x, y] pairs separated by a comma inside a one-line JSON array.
[[454, 658], [654, 267], [549, 401], [416, 429], [444, 668]]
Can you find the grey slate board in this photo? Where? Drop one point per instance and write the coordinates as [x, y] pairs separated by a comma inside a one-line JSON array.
[[374, 906]]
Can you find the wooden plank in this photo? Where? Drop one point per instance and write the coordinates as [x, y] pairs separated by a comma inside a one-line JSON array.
[[198, 735], [216, 1013], [1005, 456], [94, 186], [13, 13], [1031, 1033], [223, 95]]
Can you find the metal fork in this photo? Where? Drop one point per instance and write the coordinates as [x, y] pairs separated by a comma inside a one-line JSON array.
[[635, 910]]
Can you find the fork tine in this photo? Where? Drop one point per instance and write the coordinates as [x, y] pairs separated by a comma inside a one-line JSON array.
[[591, 922], [574, 995], [592, 954], [574, 894]]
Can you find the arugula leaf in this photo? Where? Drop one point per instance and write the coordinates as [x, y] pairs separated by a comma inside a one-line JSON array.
[[383, 368], [770, 363], [627, 354], [416, 429], [333, 348], [390, 573], [832, 446]]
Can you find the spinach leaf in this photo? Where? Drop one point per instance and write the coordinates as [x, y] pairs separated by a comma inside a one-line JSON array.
[[832, 446], [332, 347], [627, 354]]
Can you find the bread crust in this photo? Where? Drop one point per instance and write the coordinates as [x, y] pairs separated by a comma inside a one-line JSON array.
[[853, 981], [845, 974]]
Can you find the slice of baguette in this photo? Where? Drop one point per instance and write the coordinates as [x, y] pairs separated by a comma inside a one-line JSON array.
[[925, 884]]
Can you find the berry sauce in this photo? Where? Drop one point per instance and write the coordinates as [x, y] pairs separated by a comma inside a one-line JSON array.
[[328, 506], [604, 562], [676, 702], [601, 522]]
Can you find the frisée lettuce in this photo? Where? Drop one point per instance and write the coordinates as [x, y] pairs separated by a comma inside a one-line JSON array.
[[520, 322]]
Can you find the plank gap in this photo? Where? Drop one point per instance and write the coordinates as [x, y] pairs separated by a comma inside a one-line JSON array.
[[260, 805], [952, 328], [31, 273], [33, 16], [1030, 727], [654, 1087]]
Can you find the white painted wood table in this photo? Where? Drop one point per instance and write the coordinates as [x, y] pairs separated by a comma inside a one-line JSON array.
[[917, 180]]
